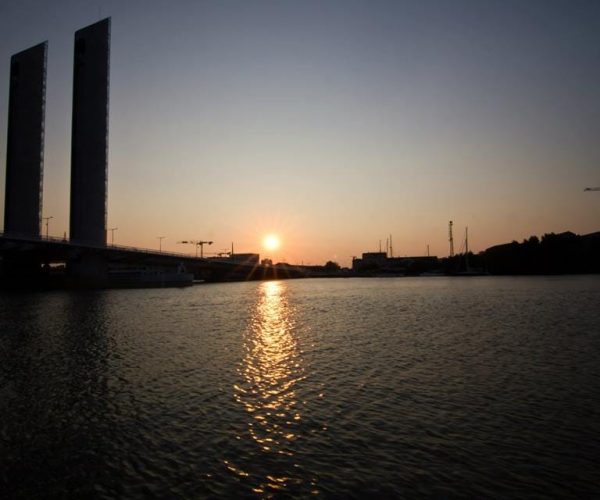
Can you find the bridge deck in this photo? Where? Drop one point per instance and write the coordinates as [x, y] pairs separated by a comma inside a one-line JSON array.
[[52, 250]]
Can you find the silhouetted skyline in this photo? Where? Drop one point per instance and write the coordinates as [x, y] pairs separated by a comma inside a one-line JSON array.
[[330, 124]]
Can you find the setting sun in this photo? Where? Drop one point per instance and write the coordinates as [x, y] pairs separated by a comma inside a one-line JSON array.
[[271, 242]]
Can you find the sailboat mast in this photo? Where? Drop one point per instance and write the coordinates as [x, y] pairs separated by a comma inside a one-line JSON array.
[[467, 249]]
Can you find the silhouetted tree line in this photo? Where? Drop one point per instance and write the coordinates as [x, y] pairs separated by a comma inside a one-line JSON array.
[[563, 253], [332, 267]]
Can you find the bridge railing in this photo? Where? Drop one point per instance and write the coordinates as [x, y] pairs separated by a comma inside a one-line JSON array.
[[151, 251], [65, 241]]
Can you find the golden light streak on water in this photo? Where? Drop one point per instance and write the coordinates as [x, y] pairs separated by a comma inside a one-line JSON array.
[[269, 372]]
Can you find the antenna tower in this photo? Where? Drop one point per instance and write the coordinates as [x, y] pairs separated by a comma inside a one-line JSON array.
[[450, 239]]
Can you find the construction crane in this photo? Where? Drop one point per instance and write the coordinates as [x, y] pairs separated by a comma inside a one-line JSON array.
[[592, 189], [198, 243]]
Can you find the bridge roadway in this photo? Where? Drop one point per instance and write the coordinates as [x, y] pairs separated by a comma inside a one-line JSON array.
[[20, 254]]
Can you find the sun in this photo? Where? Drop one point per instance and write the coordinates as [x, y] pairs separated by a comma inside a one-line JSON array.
[[271, 242]]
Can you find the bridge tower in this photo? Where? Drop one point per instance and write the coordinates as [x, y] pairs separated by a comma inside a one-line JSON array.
[[89, 136], [25, 142]]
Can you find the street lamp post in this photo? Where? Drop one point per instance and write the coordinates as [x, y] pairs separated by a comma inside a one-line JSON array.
[[112, 234], [160, 238], [47, 219]]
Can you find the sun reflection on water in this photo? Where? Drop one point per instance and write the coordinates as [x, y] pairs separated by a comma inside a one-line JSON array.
[[269, 373]]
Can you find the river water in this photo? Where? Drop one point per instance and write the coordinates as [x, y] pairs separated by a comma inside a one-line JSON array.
[[394, 387]]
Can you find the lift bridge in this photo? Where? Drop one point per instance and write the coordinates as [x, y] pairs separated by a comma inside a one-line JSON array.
[[27, 258]]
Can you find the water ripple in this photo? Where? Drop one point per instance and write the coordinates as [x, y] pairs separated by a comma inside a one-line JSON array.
[[483, 387]]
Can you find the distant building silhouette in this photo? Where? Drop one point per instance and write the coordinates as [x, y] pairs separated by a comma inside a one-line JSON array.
[[25, 142], [89, 139], [379, 262], [250, 259]]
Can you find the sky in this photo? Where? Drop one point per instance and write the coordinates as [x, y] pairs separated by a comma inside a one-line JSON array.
[[329, 123]]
